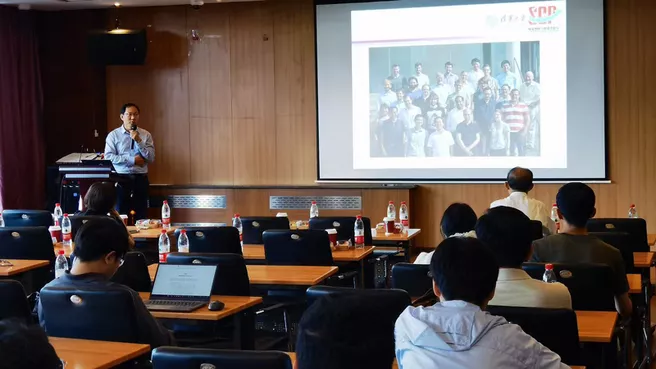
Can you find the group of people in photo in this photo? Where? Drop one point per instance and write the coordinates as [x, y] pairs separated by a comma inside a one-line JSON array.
[[470, 114]]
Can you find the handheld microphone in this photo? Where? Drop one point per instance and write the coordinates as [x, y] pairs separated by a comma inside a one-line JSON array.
[[133, 128]]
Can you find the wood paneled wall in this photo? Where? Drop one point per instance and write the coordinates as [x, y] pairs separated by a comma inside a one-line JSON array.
[[240, 110]]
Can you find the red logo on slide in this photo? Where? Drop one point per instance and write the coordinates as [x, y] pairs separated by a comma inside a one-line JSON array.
[[542, 14]]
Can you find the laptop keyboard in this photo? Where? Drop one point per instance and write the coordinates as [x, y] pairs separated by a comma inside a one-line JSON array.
[[171, 302]]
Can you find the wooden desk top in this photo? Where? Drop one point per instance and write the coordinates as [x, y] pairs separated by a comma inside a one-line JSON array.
[[67, 251], [651, 239], [21, 266], [643, 259], [88, 354], [635, 283], [403, 237], [256, 252], [149, 234], [596, 326], [290, 275], [233, 305]]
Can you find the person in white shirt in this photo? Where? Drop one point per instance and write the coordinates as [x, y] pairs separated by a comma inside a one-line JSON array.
[[449, 77], [408, 113], [416, 139], [467, 87], [422, 79], [442, 90], [458, 220], [499, 136], [518, 183], [459, 91], [476, 73], [388, 96], [530, 92], [440, 143], [456, 115], [507, 233]]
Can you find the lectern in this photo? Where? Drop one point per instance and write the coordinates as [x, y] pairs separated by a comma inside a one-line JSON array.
[[82, 170]]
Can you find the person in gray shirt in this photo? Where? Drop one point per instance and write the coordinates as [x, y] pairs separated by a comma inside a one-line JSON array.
[[576, 204]]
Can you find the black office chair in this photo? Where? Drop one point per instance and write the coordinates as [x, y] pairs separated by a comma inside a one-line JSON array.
[[415, 279], [134, 272], [231, 276], [306, 247], [590, 285], [395, 300], [78, 220], [636, 228], [87, 314], [188, 358], [213, 239], [557, 329], [622, 242], [14, 302], [344, 226], [253, 227], [27, 218], [29, 243]]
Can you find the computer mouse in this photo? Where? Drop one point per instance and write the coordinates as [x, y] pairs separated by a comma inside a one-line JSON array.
[[216, 306]]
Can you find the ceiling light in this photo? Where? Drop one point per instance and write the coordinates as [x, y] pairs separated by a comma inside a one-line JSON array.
[[117, 4]]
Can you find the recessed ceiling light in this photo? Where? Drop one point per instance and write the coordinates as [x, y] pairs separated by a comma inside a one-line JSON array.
[[117, 4]]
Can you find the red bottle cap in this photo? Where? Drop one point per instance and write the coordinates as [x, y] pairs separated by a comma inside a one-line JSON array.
[[633, 205], [61, 252], [555, 205], [57, 204], [184, 231], [359, 217], [65, 214], [236, 215], [391, 202], [314, 202], [163, 231], [549, 267], [165, 202], [402, 202]]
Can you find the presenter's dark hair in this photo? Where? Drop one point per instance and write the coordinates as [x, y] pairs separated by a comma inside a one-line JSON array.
[[464, 269], [129, 105]]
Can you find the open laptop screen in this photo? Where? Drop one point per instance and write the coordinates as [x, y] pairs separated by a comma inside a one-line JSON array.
[[193, 282]]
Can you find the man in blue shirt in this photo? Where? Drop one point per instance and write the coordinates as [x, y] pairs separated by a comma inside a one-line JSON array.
[[130, 148], [507, 77]]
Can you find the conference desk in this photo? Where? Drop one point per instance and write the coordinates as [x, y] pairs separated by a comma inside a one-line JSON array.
[[21, 266], [644, 261], [651, 239], [596, 326], [400, 240], [290, 275], [635, 283], [89, 354], [151, 234]]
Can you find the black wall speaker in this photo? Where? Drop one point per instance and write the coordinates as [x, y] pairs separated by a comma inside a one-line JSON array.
[[117, 47]]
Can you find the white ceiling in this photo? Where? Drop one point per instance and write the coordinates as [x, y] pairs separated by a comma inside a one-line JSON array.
[[99, 4]]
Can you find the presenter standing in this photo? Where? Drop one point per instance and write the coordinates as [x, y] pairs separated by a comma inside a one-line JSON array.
[[130, 148]]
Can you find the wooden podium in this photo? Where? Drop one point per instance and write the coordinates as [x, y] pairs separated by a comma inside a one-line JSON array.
[[83, 169]]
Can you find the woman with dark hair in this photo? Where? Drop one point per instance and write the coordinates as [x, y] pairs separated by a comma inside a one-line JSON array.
[[458, 220], [101, 200]]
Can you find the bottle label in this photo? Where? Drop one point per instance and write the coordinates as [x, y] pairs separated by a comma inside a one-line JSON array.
[[405, 223], [66, 236], [359, 240], [166, 221], [163, 256]]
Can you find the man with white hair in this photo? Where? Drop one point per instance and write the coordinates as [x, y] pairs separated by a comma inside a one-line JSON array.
[[530, 93], [442, 89]]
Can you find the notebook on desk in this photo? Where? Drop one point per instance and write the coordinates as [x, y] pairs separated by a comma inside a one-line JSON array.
[[181, 288]]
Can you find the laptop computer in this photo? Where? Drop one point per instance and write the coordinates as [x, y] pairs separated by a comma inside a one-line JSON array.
[[181, 288]]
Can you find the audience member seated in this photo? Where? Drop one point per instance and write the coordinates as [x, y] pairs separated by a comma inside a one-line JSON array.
[[101, 200], [458, 220], [23, 346], [576, 204], [507, 232], [100, 245], [518, 183], [345, 332], [457, 333]]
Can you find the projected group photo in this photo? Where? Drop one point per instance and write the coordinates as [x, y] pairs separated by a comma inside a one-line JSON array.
[[466, 100]]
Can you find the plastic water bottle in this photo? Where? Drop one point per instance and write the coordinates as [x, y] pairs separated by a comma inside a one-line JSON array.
[[58, 214], [549, 274], [403, 216], [391, 210], [164, 246], [554, 216], [2, 221], [166, 215], [67, 231], [183, 242], [358, 233], [633, 213], [314, 210], [236, 222], [61, 264]]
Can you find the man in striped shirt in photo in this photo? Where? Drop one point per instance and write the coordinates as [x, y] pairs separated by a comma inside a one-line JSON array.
[[517, 115]]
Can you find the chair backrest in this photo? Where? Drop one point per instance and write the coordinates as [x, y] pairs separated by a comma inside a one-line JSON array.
[[89, 314], [253, 227], [395, 300], [307, 247], [590, 285], [636, 228], [29, 243], [27, 218], [14, 301], [344, 226], [134, 272], [179, 357], [412, 278], [557, 329], [213, 239], [231, 276], [536, 230], [78, 220], [622, 242]]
